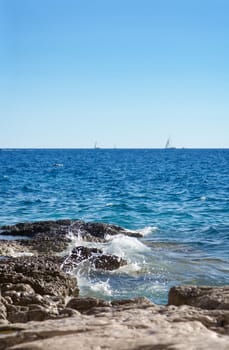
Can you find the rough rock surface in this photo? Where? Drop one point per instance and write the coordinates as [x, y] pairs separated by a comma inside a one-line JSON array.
[[136, 324], [40, 307], [203, 297], [52, 237], [92, 231], [94, 256], [33, 288]]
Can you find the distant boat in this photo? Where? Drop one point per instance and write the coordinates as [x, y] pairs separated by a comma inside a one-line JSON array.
[[96, 146], [168, 144]]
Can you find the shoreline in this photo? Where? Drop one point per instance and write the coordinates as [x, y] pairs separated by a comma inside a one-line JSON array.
[[40, 306]]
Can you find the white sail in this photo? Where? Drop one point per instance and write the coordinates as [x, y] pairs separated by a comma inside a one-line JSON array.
[[167, 145]]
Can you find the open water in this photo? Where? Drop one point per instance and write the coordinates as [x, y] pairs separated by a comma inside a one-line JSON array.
[[179, 200]]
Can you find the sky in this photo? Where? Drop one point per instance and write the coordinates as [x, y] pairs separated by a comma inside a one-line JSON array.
[[123, 73]]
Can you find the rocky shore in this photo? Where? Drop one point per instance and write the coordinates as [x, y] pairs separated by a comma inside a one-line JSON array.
[[40, 306]]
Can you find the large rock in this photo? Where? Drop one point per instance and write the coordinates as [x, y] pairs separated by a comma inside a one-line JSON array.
[[34, 288], [204, 297], [31, 229], [42, 274], [63, 230], [101, 230], [94, 256]]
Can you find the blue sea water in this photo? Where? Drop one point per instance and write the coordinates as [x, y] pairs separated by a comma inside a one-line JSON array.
[[178, 198]]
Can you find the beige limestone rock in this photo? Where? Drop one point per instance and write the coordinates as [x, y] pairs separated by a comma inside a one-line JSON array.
[[153, 327], [204, 297]]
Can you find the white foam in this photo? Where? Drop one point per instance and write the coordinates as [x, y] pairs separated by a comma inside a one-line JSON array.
[[102, 287], [124, 246], [146, 231], [90, 287], [75, 242], [131, 269]]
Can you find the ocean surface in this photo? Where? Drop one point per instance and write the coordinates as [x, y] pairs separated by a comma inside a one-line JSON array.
[[178, 198]]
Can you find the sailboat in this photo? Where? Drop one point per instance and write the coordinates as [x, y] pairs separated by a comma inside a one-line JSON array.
[[168, 144], [96, 145]]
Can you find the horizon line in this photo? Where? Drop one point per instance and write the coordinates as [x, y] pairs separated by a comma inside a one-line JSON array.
[[108, 148]]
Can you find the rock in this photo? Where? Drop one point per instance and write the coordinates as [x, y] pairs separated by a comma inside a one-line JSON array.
[[46, 236], [68, 312], [204, 297], [90, 323], [12, 248], [94, 256], [34, 290], [86, 304], [29, 229], [152, 327], [19, 287], [78, 255], [3, 310], [108, 262], [42, 275], [141, 301], [100, 230]]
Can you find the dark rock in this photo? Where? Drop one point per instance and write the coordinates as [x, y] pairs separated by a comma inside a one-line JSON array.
[[108, 262], [32, 229], [204, 297], [48, 231], [81, 253], [94, 256], [45, 244], [100, 230]]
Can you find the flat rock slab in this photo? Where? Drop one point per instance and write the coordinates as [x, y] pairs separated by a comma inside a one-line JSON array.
[[134, 326]]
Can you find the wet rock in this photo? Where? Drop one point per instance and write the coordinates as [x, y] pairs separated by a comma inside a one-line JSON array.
[[101, 230], [108, 262], [44, 244], [94, 256], [204, 297], [29, 229], [49, 231], [82, 253]]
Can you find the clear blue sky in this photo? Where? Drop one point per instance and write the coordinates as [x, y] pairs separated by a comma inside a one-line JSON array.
[[128, 73]]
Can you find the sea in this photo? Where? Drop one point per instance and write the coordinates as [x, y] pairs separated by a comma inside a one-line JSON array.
[[177, 198]]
